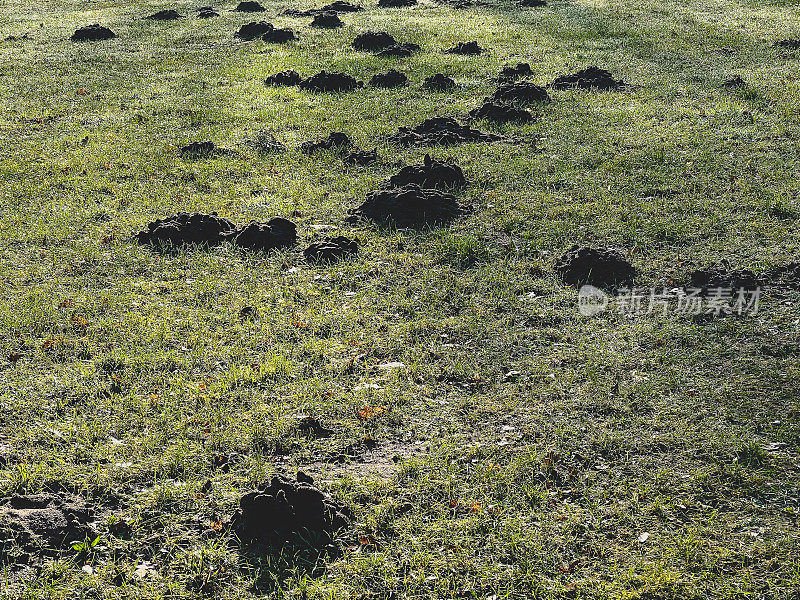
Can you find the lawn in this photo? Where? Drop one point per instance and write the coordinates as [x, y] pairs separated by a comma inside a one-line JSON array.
[[488, 440]]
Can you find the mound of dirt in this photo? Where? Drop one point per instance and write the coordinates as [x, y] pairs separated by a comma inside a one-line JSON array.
[[311, 426], [197, 150], [407, 206], [396, 3], [721, 276], [522, 93], [442, 131], [288, 512], [46, 523], [390, 79], [165, 15], [400, 50], [266, 143], [787, 275], [263, 237], [439, 82], [789, 44], [431, 174], [590, 78], [340, 6], [492, 110], [335, 141], [600, 267], [331, 250], [206, 12], [373, 41], [735, 83], [362, 157], [198, 229], [280, 36], [327, 20], [283, 79], [511, 74], [249, 7], [330, 82], [251, 31], [466, 48], [92, 33], [531, 3]]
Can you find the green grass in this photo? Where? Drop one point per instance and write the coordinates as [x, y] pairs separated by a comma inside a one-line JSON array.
[[531, 486]]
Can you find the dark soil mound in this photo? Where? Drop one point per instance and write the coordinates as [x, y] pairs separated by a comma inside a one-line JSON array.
[[400, 50], [396, 3], [373, 41], [330, 82], [590, 78], [721, 276], [199, 229], [467, 48], [283, 79], [441, 131], [787, 275], [45, 523], [327, 20], [266, 143], [206, 12], [331, 250], [311, 427], [165, 15], [734, 83], [439, 82], [430, 174], [600, 267], [789, 44], [408, 206], [390, 79], [502, 113], [197, 150], [531, 3], [522, 93], [280, 36], [251, 31], [92, 33], [335, 141], [340, 6], [249, 7], [263, 237], [184, 229], [362, 157], [288, 512], [511, 74]]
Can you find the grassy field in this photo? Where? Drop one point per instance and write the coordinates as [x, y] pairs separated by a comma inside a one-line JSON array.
[[520, 449]]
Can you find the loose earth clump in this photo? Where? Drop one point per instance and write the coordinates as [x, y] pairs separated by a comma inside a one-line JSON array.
[[283, 79], [251, 31], [431, 174], [408, 206], [439, 82], [466, 48], [335, 141], [206, 12], [197, 150], [330, 82], [287, 512], [491, 110], [249, 7], [531, 3], [590, 78], [337, 7], [735, 83], [44, 524], [390, 79], [362, 157], [789, 44], [327, 20], [600, 267], [165, 15], [442, 131], [373, 41], [511, 74], [714, 277], [198, 229], [396, 3], [522, 93], [280, 36], [92, 33], [400, 50], [331, 250]]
